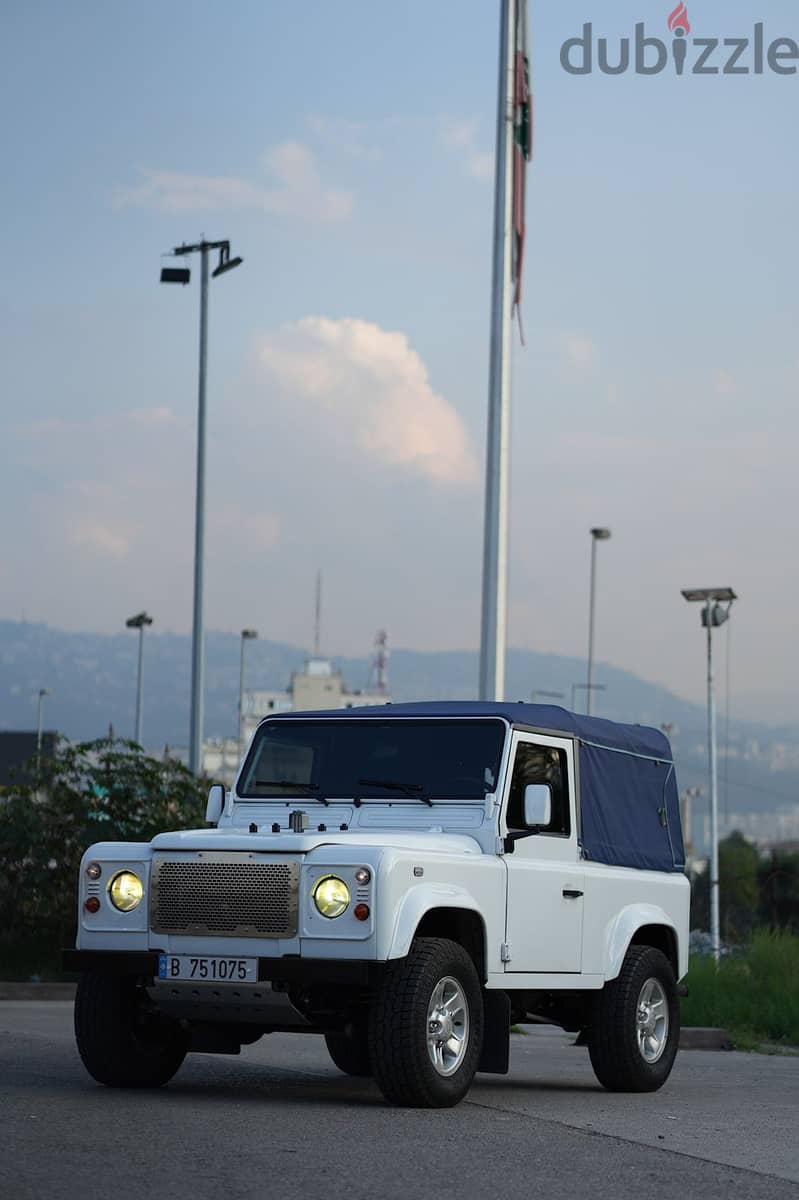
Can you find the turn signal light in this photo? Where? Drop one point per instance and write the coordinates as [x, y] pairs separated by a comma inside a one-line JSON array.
[[361, 912], [92, 904]]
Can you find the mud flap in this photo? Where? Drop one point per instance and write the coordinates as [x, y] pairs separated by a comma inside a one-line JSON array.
[[495, 1058]]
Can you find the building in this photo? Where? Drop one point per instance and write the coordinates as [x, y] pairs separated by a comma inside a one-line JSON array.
[[317, 686], [18, 754]]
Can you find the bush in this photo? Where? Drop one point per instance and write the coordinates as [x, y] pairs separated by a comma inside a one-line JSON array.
[[107, 790], [753, 994]]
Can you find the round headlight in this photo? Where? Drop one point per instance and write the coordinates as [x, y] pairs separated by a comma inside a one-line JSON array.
[[331, 896], [126, 891]]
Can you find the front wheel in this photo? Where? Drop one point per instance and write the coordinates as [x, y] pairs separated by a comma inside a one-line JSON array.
[[635, 1024], [426, 1026], [121, 1043]]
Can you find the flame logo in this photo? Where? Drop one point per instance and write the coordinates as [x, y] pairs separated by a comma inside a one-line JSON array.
[[679, 19]]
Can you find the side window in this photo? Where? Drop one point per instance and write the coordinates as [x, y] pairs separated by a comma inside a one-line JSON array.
[[540, 764]]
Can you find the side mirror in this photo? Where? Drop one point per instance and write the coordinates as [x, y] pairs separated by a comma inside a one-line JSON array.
[[216, 802], [537, 804]]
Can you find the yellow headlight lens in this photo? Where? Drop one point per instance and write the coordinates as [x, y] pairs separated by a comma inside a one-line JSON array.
[[331, 896], [126, 891]]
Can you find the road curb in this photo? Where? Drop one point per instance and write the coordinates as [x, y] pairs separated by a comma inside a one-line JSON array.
[[705, 1038], [36, 991]]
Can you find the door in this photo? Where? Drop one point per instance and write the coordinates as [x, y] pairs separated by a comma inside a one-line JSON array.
[[544, 917]]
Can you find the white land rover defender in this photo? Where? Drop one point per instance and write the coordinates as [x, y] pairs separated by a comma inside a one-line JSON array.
[[408, 881]]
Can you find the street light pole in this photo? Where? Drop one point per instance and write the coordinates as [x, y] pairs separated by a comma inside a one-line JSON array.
[[712, 615], [140, 622], [715, 932], [182, 275], [585, 687], [246, 636], [39, 724], [547, 695], [198, 629], [597, 535], [42, 693]]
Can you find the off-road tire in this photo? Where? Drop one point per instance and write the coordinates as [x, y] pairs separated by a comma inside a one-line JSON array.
[[617, 1059], [119, 1043], [350, 1051], [398, 1026]]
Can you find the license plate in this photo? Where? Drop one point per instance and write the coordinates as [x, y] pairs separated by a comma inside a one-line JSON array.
[[207, 970]]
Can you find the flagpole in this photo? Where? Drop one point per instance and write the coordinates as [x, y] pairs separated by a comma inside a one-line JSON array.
[[493, 634]]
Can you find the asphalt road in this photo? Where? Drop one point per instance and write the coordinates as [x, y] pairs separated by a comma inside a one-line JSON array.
[[281, 1121]]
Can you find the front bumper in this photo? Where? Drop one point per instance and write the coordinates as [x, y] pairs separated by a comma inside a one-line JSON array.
[[289, 971]]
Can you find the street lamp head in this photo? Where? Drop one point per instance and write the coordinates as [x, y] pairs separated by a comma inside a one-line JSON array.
[[226, 263], [139, 621], [44, 692], [249, 634], [175, 275], [714, 615], [600, 535]]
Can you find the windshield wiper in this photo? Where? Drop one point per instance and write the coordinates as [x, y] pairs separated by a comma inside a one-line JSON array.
[[393, 785], [290, 783]]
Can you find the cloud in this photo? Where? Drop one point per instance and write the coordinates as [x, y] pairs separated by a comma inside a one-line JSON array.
[[580, 350], [91, 534], [723, 383], [256, 530], [345, 137], [460, 135], [48, 427], [364, 386], [293, 188], [151, 418]]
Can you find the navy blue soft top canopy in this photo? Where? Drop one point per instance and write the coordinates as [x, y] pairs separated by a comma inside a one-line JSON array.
[[629, 806]]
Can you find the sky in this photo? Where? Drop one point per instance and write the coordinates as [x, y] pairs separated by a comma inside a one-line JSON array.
[[346, 151]]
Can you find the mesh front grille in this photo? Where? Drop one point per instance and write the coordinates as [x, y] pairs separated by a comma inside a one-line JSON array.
[[224, 895]]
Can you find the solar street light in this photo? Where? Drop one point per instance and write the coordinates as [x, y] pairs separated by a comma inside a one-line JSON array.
[[713, 615], [181, 275]]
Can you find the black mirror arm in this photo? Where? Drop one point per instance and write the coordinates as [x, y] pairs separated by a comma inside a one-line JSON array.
[[516, 836]]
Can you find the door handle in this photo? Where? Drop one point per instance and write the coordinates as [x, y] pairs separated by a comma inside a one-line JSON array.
[[571, 894]]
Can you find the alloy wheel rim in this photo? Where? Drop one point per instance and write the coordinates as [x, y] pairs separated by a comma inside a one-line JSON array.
[[652, 1021], [447, 1026]]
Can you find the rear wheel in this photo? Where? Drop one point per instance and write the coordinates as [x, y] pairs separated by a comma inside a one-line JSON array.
[[635, 1025], [426, 1026], [350, 1051], [122, 1043]]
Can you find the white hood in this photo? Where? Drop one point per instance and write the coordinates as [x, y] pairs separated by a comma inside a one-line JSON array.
[[302, 843]]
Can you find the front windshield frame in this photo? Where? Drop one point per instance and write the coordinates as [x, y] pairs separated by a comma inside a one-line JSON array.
[[291, 792]]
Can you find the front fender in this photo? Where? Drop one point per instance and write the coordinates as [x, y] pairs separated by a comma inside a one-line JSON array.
[[419, 901], [621, 930]]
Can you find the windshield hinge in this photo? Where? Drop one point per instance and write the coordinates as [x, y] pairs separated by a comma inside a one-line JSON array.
[[504, 952]]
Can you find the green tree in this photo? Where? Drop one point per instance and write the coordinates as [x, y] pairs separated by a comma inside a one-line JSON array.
[[739, 898], [778, 878], [738, 904], [106, 790]]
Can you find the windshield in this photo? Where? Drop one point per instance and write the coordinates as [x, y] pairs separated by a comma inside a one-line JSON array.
[[405, 761]]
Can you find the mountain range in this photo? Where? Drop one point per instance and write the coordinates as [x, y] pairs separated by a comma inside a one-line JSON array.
[[92, 683]]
